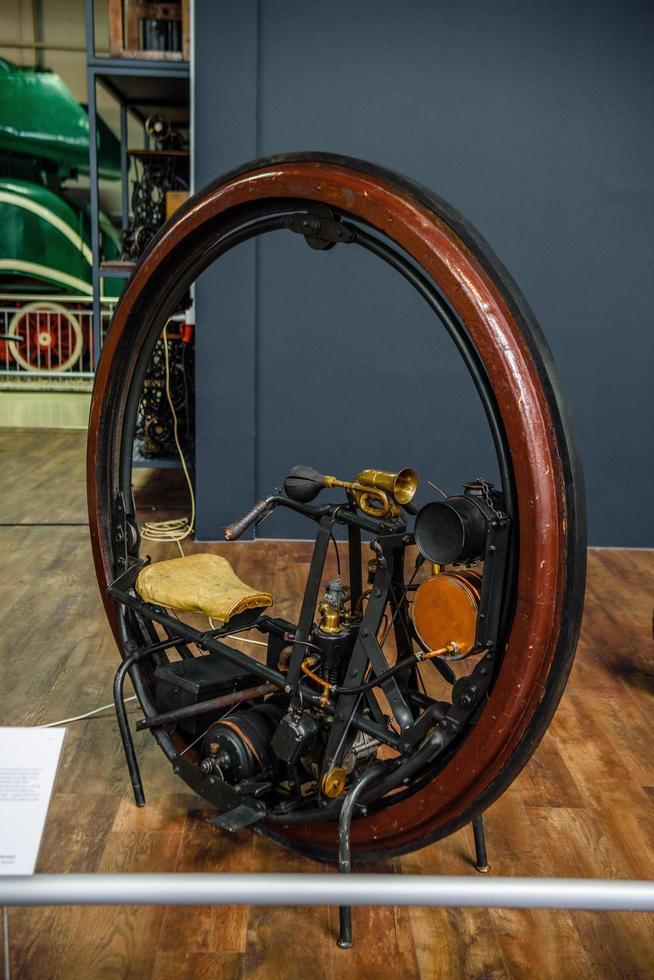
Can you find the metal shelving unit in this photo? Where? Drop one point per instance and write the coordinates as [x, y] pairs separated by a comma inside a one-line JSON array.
[[139, 87]]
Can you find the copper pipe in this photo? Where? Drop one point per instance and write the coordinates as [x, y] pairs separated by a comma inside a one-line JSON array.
[[305, 668], [448, 648], [284, 657], [191, 710]]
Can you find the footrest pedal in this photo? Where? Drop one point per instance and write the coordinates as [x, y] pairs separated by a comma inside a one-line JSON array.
[[241, 816]]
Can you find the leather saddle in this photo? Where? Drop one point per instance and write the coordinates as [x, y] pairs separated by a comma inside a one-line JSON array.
[[202, 583]]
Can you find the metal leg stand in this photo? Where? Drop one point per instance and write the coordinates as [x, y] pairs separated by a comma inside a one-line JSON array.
[[5, 943], [481, 858], [344, 859], [125, 734]]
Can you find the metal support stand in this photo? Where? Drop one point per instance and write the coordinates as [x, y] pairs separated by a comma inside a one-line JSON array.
[[5, 943], [481, 857], [123, 724], [345, 940]]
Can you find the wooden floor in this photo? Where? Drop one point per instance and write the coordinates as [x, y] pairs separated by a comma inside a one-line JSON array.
[[582, 807]]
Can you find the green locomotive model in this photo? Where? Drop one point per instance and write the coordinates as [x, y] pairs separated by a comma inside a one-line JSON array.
[[45, 246]]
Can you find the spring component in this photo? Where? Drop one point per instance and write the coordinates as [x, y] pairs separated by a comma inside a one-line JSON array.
[[330, 674]]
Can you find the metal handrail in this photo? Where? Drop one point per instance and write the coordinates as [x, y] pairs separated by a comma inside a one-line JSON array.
[[326, 889]]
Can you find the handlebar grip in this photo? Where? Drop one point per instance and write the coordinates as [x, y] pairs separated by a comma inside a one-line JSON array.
[[236, 529]]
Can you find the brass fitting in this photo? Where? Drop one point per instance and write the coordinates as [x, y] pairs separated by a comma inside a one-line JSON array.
[[333, 782], [330, 618]]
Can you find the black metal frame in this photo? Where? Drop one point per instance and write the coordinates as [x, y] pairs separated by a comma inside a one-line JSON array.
[[415, 714]]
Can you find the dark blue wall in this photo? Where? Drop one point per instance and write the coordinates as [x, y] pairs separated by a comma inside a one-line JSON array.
[[535, 120]]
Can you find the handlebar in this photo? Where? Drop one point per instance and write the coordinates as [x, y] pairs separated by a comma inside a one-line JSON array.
[[236, 529], [263, 507]]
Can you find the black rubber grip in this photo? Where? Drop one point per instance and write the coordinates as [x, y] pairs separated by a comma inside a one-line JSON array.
[[236, 529]]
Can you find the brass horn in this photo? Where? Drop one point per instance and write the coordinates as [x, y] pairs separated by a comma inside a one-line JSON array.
[[377, 493], [392, 489]]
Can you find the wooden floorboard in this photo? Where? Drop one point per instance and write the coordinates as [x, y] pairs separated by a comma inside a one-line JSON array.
[[582, 807]]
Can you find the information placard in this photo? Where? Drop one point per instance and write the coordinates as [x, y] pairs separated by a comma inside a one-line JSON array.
[[29, 758]]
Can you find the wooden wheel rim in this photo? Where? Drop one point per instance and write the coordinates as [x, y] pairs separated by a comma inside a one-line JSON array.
[[544, 629]]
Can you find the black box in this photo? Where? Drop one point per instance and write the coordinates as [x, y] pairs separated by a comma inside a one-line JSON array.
[[185, 682]]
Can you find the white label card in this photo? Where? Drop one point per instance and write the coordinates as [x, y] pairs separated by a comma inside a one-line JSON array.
[[29, 758]]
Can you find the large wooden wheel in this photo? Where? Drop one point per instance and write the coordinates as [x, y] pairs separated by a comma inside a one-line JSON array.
[[434, 247]]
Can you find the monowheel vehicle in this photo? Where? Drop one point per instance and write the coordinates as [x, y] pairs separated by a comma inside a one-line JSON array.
[[488, 606]]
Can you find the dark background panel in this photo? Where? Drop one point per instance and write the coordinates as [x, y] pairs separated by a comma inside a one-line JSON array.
[[224, 118], [338, 382], [534, 120]]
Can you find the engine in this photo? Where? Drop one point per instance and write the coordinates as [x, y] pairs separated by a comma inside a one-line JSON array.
[[274, 741]]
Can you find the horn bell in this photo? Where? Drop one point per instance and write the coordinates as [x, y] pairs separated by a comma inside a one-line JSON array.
[[402, 486]]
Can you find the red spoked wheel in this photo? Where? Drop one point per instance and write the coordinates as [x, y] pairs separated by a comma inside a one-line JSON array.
[[48, 337], [444, 257]]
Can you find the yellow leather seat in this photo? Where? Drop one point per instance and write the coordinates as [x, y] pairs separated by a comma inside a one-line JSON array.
[[202, 583]]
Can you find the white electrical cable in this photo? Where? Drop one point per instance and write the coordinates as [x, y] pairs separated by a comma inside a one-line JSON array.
[[244, 639], [95, 711], [180, 528]]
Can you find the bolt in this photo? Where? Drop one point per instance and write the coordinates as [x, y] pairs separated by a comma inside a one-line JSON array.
[[287, 689], [492, 548], [377, 593]]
